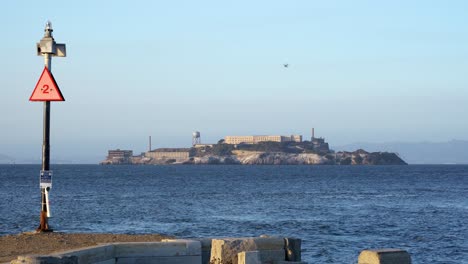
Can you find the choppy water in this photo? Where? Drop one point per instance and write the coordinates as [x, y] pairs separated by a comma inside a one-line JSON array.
[[336, 210]]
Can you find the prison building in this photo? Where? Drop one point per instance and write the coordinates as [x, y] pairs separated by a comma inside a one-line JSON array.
[[257, 139]]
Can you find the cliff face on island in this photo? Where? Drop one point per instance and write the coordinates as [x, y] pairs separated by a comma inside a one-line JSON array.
[[359, 157]]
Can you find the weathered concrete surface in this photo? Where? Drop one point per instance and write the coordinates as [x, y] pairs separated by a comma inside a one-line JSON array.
[[94, 254], [110, 261], [257, 250], [172, 251], [384, 256], [36, 259], [225, 250], [272, 256], [291, 262], [248, 257], [205, 249], [90, 254], [160, 260], [167, 248]]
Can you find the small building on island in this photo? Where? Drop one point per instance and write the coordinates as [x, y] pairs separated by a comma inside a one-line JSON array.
[[119, 156], [320, 145], [177, 154]]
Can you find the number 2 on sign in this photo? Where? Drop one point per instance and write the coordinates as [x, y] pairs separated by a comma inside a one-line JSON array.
[[45, 89]]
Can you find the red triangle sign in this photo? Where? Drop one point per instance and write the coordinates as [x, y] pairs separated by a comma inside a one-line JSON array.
[[46, 88]]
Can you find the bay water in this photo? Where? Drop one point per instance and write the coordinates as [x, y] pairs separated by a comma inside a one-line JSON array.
[[337, 211]]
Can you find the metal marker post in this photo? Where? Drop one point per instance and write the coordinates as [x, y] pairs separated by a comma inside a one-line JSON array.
[[47, 48], [44, 225]]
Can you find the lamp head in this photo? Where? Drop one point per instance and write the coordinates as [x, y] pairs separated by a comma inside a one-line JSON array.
[[48, 29]]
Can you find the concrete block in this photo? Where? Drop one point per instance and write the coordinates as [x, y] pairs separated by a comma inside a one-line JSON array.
[[248, 257], [205, 242], [93, 254], [159, 249], [36, 259], [292, 247], [225, 250], [272, 256], [160, 260], [291, 262], [206, 257], [384, 256], [205, 249], [193, 246], [267, 243], [110, 261]]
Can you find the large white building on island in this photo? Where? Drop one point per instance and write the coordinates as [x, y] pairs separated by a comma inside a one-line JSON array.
[[257, 139]]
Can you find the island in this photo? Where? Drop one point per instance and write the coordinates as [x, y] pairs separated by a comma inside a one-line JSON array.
[[255, 150]]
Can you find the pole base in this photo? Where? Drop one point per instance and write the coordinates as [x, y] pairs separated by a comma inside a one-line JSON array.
[[44, 231], [44, 225]]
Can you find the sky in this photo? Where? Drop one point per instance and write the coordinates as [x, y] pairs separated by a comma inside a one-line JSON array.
[[359, 71]]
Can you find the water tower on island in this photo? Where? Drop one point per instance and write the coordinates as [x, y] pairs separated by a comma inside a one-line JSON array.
[[196, 138]]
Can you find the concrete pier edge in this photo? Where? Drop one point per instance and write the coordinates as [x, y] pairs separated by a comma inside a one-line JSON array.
[[246, 250]]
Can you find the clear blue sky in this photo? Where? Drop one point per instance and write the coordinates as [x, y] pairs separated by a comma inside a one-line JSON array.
[[374, 71]]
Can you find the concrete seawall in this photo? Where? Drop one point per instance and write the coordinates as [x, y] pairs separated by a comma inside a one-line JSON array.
[[250, 250]]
